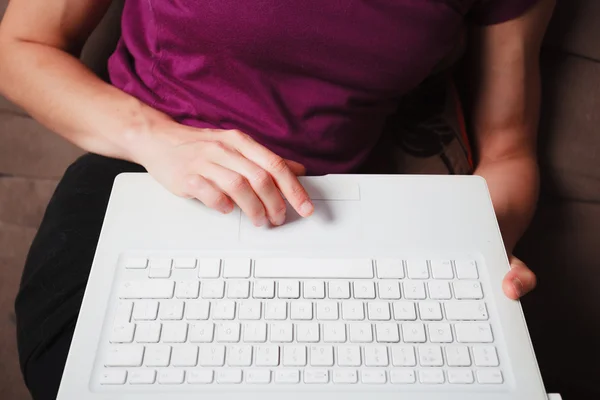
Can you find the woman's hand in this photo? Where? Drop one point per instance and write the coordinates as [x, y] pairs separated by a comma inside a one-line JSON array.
[[223, 167], [519, 281]]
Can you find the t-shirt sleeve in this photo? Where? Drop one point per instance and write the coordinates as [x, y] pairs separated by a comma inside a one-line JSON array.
[[489, 12]]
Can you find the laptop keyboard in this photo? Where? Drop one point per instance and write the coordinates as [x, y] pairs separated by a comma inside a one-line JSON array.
[[200, 321]]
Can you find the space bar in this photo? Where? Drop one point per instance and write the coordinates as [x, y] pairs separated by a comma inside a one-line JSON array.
[[313, 268]]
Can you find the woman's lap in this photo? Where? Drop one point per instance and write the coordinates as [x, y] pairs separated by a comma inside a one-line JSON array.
[[57, 268]]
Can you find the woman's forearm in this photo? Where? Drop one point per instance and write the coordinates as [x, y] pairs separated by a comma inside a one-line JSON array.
[[64, 95], [514, 186]]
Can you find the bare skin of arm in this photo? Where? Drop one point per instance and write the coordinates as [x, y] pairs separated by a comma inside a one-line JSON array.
[[39, 70], [505, 119]]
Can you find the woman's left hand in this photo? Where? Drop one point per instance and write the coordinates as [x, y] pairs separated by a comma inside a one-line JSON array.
[[519, 281]]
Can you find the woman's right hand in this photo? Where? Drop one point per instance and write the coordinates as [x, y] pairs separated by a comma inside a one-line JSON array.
[[223, 167]]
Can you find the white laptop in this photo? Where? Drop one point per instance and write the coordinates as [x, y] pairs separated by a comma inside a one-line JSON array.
[[392, 288]]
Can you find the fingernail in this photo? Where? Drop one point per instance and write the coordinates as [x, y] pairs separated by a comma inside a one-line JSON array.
[[306, 208], [278, 220], [226, 209], [262, 221], [518, 285]]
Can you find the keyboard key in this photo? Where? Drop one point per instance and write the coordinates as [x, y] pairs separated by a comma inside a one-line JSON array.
[[184, 356], [460, 375], [430, 311], [339, 290], [316, 376], [238, 289], [294, 356], [375, 376], [171, 376], [255, 332], [466, 269], [281, 332], [264, 289], [361, 332], [440, 333], [345, 376], [228, 332], [276, 310], [124, 312], [417, 269], [287, 376], [353, 311], [147, 332], [376, 356], [489, 375], [327, 310], [151, 289], [201, 332], [441, 269], [113, 377], [160, 263], [466, 311], [124, 356], [187, 289], [439, 290], [404, 311], [413, 332], [431, 376], [321, 356], [485, 356], [211, 355], [348, 356], [142, 377], [314, 289], [267, 356], [145, 310], [458, 356], [257, 376], [196, 310], [402, 376], [430, 356], [236, 268], [122, 333], [389, 290], [249, 310], [390, 269], [223, 310], [301, 310], [171, 310], [225, 376], [364, 290], [288, 289], [473, 333], [161, 273], [470, 290], [209, 268], [200, 376], [184, 263], [174, 332], [212, 289], [239, 356], [403, 356], [307, 333], [157, 356], [378, 311], [414, 290], [387, 333], [136, 262], [312, 268]]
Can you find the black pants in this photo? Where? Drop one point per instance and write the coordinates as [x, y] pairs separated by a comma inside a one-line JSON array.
[[57, 270]]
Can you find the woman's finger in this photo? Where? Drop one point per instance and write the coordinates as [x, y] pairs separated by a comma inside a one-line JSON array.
[[212, 197], [519, 281]]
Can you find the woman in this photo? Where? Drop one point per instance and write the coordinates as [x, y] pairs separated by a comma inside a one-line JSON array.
[[228, 102]]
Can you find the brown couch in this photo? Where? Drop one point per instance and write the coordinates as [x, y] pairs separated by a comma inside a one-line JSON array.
[[563, 244]]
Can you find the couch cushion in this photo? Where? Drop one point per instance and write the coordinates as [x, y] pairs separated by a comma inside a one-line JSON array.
[[23, 200], [570, 127], [575, 28], [30, 150]]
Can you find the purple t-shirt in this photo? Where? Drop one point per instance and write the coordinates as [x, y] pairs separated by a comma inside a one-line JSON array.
[[312, 80]]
